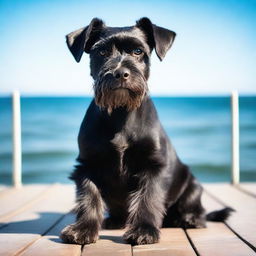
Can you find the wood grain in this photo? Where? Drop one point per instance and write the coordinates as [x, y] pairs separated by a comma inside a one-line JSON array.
[[249, 187], [218, 240], [51, 244], [109, 244], [243, 221], [34, 228], [27, 227], [18, 200], [173, 241]]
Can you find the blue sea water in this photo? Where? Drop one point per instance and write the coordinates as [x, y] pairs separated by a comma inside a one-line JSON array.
[[199, 128]]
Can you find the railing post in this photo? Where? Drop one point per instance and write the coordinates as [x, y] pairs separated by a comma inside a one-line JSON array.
[[17, 161], [235, 138]]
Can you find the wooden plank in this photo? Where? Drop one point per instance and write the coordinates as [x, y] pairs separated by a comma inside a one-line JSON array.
[[51, 244], [250, 188], [27, 227], [109, 244], [7, 190], [173, 241], [18, 200], [11, 243], [210, 204], [217, 239], [243, 221], [2, 188], [23, 235]]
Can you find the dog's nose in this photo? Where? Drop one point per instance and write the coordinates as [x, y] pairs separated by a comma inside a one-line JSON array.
[[122, 73]]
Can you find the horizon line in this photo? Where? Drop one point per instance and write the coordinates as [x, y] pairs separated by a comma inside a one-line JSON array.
[[63, 95]]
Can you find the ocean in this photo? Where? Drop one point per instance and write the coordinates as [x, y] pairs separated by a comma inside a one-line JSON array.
[[199, 128]]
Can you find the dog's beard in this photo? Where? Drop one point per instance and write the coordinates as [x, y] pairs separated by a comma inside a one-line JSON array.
[[111, 94]]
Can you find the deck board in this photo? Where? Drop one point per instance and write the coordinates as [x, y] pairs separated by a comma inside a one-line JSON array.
[[208, 241], [32, 225], [218, 240], [28, 226], [109, 244], [172, 242], [17, 200], [11, 244], [243, 221], [51, 244], [249, 188], [3, 188]]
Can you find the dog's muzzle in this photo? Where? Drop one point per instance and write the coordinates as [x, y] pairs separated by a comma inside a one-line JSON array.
[[121, 87]]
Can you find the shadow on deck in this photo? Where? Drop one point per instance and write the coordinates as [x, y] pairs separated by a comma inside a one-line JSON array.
[[32, 217]]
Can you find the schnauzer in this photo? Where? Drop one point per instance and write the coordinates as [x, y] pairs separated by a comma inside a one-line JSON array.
[[126, 161]]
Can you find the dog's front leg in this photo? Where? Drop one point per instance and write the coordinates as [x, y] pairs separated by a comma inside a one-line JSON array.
[[146, 211], [90, 210]]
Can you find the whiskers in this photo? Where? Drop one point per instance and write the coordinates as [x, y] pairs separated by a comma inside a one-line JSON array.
[[111, 93]]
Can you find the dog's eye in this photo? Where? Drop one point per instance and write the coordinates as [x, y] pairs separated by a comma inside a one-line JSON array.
[[103, 52], [137, 51]]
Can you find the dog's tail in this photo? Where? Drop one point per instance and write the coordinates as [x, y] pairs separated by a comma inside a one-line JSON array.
[[220, 215]]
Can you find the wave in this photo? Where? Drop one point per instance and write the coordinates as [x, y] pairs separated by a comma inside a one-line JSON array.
[[40, 154], [197, 130], [247, 127], [47, 154], [49, 137], [210, 167], [250, 145]]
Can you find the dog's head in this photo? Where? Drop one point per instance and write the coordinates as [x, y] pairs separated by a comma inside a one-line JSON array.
[[120, 59]]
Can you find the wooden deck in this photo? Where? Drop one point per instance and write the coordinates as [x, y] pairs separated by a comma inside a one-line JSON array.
[[32, 217]]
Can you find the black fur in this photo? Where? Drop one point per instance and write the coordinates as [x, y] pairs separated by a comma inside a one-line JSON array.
[[126, 161], [220, 215]]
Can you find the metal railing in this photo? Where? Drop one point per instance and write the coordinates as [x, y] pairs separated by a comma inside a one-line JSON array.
[[235, 175], [17, 152]]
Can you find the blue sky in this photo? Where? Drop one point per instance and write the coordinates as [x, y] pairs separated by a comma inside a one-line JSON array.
[[214, 52]]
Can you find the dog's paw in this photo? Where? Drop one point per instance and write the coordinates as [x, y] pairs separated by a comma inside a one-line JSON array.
[[144, 234], [77, 235]]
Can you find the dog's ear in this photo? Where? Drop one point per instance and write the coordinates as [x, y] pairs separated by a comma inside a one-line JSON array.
[[159, 38], [83, 39]]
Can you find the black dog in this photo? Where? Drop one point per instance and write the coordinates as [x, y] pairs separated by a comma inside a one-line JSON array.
[[126, 160]]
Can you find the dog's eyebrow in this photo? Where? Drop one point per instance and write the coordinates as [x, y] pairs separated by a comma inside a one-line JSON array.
[[121, 40], [129, 43], [128, 40], [99, 44]]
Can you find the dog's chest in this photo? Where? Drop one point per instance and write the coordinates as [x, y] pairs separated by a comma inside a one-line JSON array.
[[120, 144]]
